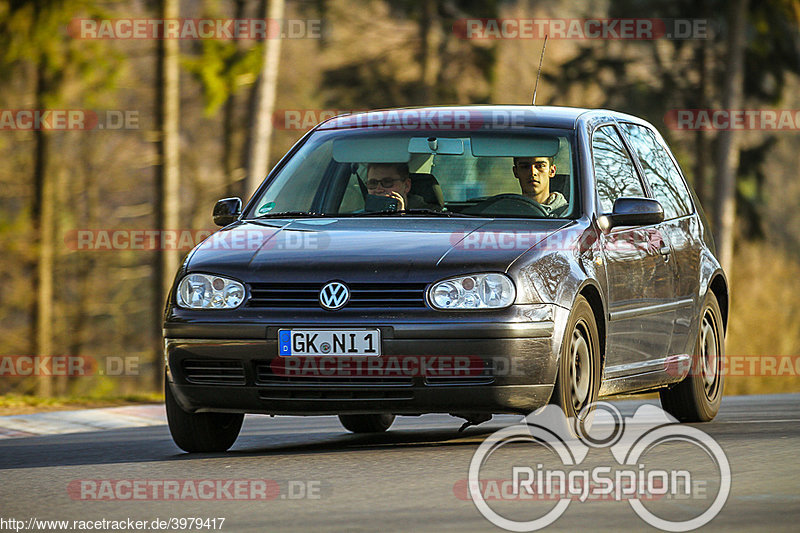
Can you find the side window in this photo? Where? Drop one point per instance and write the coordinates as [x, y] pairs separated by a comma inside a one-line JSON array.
[[660, 171], [614, 173]]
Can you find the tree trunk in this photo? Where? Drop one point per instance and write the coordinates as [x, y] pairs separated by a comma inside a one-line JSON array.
[[701, 138], [230, 125], [60, 194], [42, 214], [168, 176], [261, 136], [727, 159], [86, 209], [430, 41]]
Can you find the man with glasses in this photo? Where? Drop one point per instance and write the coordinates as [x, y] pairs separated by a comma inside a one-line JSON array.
[[393, 180], [534, 175]]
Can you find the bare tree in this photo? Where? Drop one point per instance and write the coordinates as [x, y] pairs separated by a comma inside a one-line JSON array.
[[703, 56], [43, 214], [261, 135], [430, 62], [727, 159], [168, 176], [231, 158]]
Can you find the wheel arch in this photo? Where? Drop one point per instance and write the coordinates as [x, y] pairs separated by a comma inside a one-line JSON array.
[[719, 286], [593, 295]]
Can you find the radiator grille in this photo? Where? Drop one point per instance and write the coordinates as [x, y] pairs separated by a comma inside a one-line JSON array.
[[362, 295]]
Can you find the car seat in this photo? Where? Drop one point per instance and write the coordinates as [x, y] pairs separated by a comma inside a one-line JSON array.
[[427, 186]]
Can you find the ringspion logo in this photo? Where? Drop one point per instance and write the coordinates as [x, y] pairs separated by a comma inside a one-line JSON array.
[[627, 478]]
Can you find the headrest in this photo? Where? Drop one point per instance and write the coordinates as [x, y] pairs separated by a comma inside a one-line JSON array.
[[427, 186]]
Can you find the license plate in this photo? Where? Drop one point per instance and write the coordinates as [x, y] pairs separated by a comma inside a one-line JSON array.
[[329, 342]]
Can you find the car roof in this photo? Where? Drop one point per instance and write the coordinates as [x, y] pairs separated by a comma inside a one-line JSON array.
[[470, 117]]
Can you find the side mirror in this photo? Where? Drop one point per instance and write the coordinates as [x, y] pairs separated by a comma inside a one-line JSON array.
[[633, 212], [227, 210]]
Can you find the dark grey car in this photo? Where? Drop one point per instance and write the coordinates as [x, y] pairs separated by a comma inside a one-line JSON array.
[[321, 298]]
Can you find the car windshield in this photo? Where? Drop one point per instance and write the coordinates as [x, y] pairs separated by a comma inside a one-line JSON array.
[[360, 172]]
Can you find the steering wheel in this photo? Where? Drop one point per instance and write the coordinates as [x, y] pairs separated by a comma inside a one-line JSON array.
[[510, 198]]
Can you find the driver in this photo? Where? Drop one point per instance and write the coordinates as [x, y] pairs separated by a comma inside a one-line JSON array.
[[534, 175], [393, 180]]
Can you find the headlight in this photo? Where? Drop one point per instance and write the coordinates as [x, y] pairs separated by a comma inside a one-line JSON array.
[[203, 291], [477, 291]]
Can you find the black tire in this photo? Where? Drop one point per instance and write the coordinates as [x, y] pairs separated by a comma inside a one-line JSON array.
[[697, 398], [578, 379], [201, 432], [366, 423]]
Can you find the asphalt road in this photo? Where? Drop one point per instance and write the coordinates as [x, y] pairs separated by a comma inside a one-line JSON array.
[[406, 479]]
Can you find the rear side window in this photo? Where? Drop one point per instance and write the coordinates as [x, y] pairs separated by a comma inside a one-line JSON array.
[[614, 173], [660, 171]]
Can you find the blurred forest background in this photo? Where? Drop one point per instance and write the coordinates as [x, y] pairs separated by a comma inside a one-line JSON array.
[[198, 138]]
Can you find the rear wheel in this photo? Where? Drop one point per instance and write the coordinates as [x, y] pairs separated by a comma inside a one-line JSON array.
[[697, 398], [578, 380], [373, 423], [200, 432]]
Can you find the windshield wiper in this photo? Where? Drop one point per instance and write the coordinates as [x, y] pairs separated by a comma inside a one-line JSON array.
[[292, 214], [431, 212], [310, 214]]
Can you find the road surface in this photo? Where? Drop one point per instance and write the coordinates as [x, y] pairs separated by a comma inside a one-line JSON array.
[[321, 478]]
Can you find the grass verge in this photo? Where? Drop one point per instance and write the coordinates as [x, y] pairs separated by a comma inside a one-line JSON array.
[[18, 404]]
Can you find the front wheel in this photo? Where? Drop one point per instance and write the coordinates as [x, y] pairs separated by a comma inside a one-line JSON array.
[[373, 423], [578, 380], [200, 432], [697, 398]]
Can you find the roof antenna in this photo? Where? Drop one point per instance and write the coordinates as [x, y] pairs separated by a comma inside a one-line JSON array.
[[533, 102]]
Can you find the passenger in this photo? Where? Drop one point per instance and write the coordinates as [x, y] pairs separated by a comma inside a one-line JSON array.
[[393, 180], [534, 175]]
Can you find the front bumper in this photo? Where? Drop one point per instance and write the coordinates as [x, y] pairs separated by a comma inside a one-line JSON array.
[[512, 368]]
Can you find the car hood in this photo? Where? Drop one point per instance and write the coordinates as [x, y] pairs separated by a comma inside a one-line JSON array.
[[388, 249]]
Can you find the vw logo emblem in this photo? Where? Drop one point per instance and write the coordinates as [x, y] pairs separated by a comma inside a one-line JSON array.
[[334, 295]]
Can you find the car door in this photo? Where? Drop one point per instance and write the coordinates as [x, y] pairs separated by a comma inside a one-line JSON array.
[[640, 276], [680, 225]]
